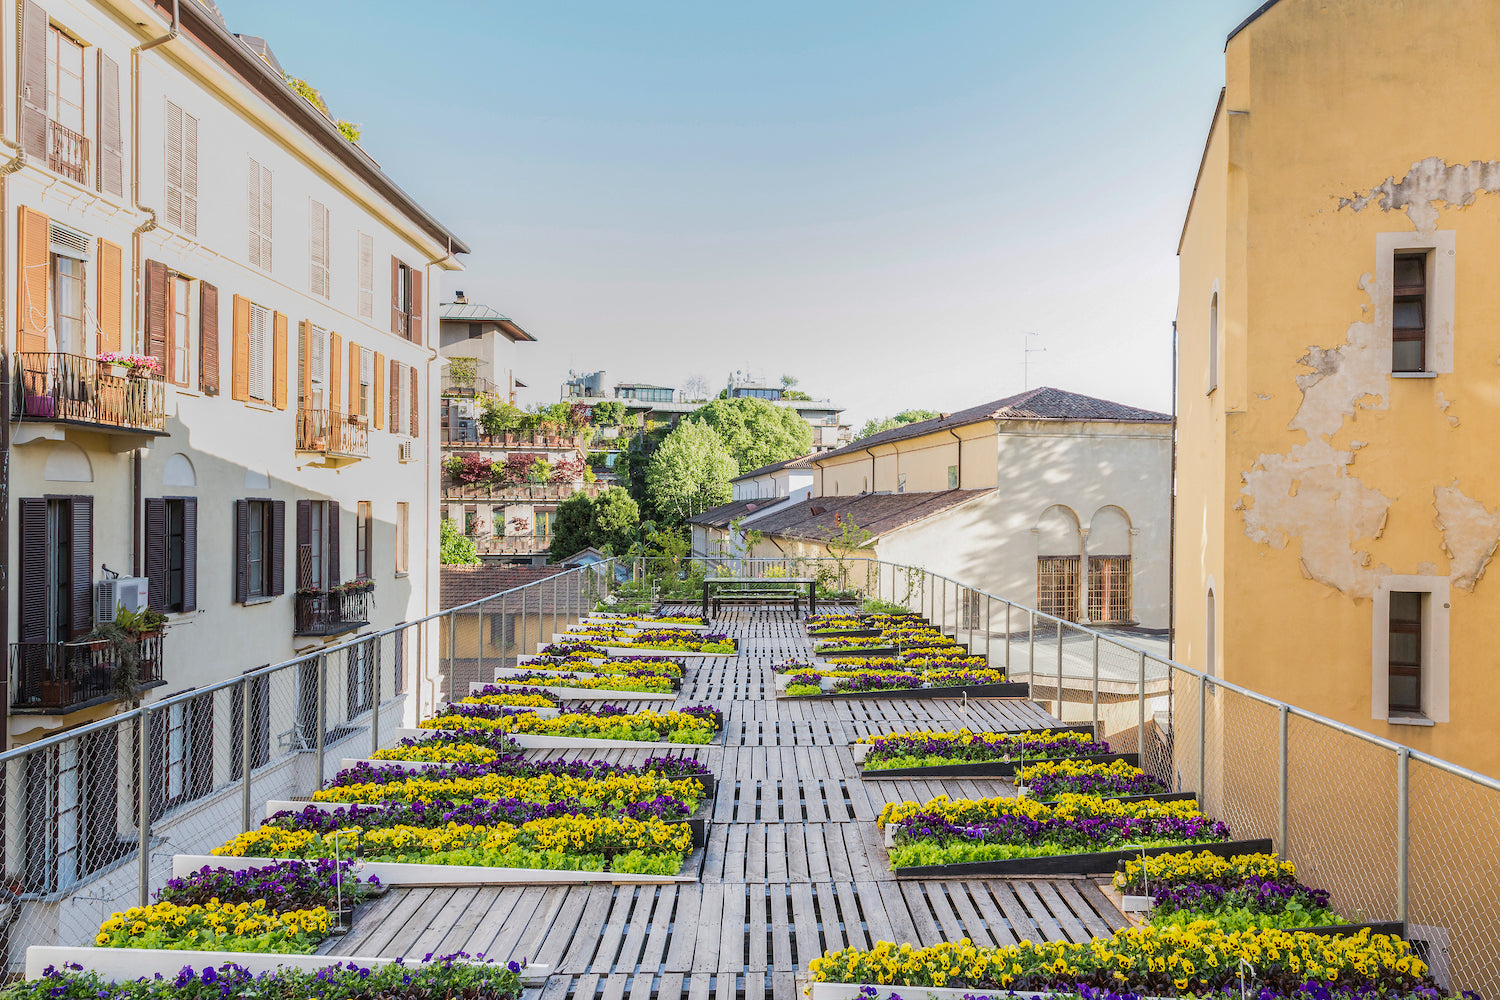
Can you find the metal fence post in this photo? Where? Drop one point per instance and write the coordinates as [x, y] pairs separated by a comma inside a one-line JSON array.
[[1284, 817], [1140, 722], [321, 662], [245, 755], [1403, 830], [1008, 677], [479, 642], [1059, 669], [1031, 648], [521, 649], [1095, 697], [374, 654], [142, 784], [1203, 742]]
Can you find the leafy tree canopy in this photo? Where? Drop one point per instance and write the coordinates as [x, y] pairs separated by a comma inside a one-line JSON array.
[[570, 528], [455, 549], [690, 472], [888, 423], [754, 431], [615, 521]]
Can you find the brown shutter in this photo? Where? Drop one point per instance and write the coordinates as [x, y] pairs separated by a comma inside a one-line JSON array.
[[377, 392], [304, 538], [416, 405], [278, 363], [35, 253], [34, 80], [156, 553], [33, 569], [414, 317], [395, 408], [398, 317], [111, 143], [241, 551], [333, 542], [156, 311], [190, 554], [354, 377], [241, 357], [278, 548], [335, 382], [111, 295], [83, 565], [304, 366], [208, 339]]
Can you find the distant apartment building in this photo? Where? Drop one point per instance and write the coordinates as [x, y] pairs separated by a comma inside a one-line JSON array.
[[266, 478], [480, 345], [660, 405], [1336, 366]]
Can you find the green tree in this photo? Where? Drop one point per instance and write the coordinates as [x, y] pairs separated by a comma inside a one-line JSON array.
[[570, 529], [690, 472], [609, 413], [455, 549], [889, 423], [756, 432], [614, 522]]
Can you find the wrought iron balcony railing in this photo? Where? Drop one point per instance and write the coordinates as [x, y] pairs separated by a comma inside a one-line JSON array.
[[67, 153], [60, 677], [332, 612], [71, 388], [333, 434]]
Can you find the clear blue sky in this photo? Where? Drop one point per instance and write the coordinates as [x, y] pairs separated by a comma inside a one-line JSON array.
[[877, 198]]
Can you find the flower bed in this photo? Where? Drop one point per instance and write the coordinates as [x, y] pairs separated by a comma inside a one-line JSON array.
[[498, 693], [1049, 779], [631, 666], [912, 659], [689, 726], [216, 926], [672, 768], [607, 792], [981, 754], [519, 697], [940, 683], [286, 885]]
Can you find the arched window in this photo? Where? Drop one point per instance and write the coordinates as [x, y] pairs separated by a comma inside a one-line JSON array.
[[1057, 563], [1213, 342], [1109, 566]]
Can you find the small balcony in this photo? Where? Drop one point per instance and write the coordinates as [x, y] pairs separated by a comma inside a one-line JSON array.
[[74, 389], [56, 678], [512, 545], [517, 492], [67, 153], [341, 438], [323, 613]]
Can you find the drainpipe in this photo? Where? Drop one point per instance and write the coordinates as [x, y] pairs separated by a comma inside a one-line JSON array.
[[171, 33], [960, 441], [1172, 516], [872, 469], [5, 455]]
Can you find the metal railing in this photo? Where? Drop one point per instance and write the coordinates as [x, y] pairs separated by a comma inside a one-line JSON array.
[[79, 389], [331, 612], [67, 152], [332, 433], [518, 491], [509, 545], [60, 677]]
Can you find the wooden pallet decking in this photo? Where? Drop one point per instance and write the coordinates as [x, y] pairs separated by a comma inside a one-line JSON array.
[[794, 864]]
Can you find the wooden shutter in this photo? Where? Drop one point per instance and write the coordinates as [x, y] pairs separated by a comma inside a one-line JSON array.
[[304, 540], [377, 392], [416, 406], [111, 295], [156, 553], [156, 311], [304, 365], [111, 178], [355, 372], [208, 338], [82, 509], [333, 542], [241, 358], [173, 208], [414, 313], [241, 551], [190, 554], [366, 276], [189, 175], [317, 248], [335, 385], [182, 171], [33, 569], [252, 212], [395, 397], [34, 80], [279, 361], [398, 315], [278, 548], [35, 253]]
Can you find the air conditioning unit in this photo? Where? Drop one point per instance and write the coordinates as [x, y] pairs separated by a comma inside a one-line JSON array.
[[405, 452], [128, 592]]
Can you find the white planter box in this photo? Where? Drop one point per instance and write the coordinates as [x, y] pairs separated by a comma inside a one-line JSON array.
[[641, 624], [851, 991], [613, 651], [784, 681], [523, 660], [125, 964], [411, 873], [860, 751], [588, 694]]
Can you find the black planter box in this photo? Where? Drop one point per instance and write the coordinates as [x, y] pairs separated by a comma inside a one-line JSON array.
[[1002, 689], [859, 651], [698, 822], [1098, 863], [848, 633], [1394, 928], [986, 768]]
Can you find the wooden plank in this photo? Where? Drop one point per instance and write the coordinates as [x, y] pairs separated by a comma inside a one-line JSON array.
[[646, 900], [522, 934], [614, 928], [710, 914], [581, 951], [916, 907], [655, 949], [1063, 913], [808, 944], [684, 929], [732, 930], [780, 925]]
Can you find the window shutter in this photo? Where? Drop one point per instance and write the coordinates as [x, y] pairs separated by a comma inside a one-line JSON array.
[[304, 541], [265, 218], [156, 311], [377, 392], [414, 313], [111, 295], [252, 211], [34, 80], [241, 359], [278, 547], [278, 361], [174, 166], [415, 404], [156, 553], [111, 177], [33, 569], [189, 175], [241, 551], [317, 248], [190, 554], [366, 276], [304, 366], [260, 353], [83, 565], [398, 315], [395, 397], [35, 243], [335, 344], [333, 543], [208, 338], [355, 373]]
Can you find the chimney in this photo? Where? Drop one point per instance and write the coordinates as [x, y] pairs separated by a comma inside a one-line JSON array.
[[460, 298]]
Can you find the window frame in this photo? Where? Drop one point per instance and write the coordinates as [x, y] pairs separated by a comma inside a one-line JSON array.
[[1394, 668], [363, 537], [176, 283], [1434, 645], [56, 37], [1214, 346], [267, 534], [1057, 578], [1411, 294], [78, 323], [403, 535], [1102, 573]]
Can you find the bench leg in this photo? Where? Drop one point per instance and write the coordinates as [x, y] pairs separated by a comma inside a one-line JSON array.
[[797, 607]]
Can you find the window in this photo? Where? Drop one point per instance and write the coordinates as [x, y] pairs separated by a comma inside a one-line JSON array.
[[402, 513], [180, 330], [900, 482], [1409, 313], [406, 301], [261, 361], [313, 350], [1057, 586], [400, 418], [260, 530], [258, 214], [67, 149], [502, 631], [544, 521], [1213, 342], [1109, 588], [968, 609], [317, 544], [1404, 689], [953, 477], [68, 304], [366, 275], [366, 392], [317, 248], [363, 535], [182, 170], [1211, 635], [177, 554]]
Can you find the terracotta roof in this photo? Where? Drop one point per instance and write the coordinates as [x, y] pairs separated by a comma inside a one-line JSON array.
[[800, 462], [719, 517], [1044, 403], [465, 584], [877, 513]]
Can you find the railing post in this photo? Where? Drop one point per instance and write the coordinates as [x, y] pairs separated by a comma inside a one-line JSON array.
[[245, 755], [374, 653], [1284, 813], [1203, 742], [1031, 648], [1140, 722], [1059, 669], [1403, 831], [554, 609], [479, 642], [142, 785], [1008, 677], [989, 636], [1095, 708], [321, 663]]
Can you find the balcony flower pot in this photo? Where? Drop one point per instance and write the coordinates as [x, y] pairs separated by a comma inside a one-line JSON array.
[[40, 406], [59, 692], [117, 371]]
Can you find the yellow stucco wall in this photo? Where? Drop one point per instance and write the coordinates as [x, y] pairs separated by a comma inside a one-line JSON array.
[[1311, 477], [923, 460]]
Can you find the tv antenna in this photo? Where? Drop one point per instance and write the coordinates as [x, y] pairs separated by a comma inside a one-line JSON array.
[[1026, 352]]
